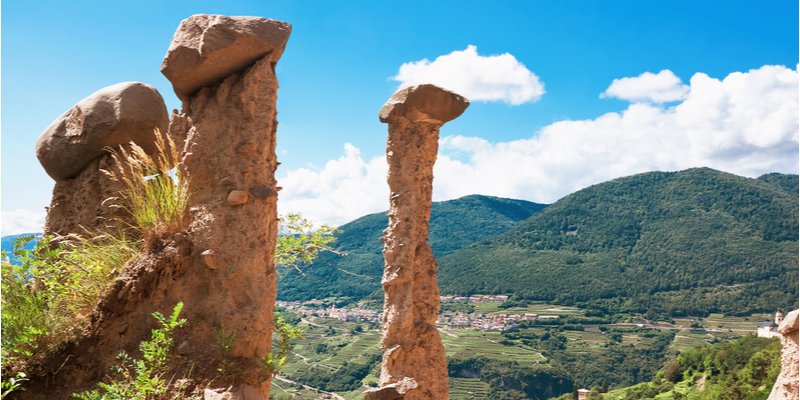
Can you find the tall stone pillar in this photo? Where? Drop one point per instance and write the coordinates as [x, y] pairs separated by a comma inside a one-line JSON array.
[[223, 68], [786, 385], [414, 364]]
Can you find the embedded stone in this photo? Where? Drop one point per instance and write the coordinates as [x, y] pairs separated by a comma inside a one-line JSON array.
[[237, 197], [111, 117], [263, 192], [209, 257], [425, 102], [206, 49]]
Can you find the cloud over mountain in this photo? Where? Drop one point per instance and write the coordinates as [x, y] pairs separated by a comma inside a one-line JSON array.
[[479, 78], [746, 124]]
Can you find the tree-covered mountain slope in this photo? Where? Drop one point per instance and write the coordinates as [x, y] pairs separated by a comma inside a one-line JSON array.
[[671, 244], [454, 224]]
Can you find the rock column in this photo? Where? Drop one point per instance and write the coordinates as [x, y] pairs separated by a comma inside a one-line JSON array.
[[414, 364], [72, 151], [223, 68], [786, 386]]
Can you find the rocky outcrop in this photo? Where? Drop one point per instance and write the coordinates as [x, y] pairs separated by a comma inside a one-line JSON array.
[[414, 364], [786, 386], [229, 158], [112, 116], [221, 267], [206, 49], [79, 205]]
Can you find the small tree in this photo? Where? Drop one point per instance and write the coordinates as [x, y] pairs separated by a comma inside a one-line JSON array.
[[299, 243]]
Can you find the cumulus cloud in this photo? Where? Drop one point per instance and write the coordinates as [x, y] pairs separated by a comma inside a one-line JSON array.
[[746, 124], [479, 78], [657, 88], [21, 221], [343, 190]]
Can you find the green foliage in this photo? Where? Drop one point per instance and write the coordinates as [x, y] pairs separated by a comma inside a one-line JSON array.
[[346, 378], [12, 384], [509, 379], [743, 369], [275, 361], [50, 293], [225, 343], [142, 379], [662, 244], [155, 194], [299, 243], [454, 224]]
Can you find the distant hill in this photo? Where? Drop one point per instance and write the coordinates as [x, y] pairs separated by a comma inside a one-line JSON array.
[[454, 224], [671, 244]]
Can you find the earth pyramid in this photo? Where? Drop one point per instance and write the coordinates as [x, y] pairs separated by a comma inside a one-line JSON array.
[[221, 265], [414, 364]]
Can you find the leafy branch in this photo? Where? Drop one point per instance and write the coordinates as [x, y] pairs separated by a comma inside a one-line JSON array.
[[300, 243]]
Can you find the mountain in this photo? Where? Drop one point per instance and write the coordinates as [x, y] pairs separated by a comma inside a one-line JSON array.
[[692, 242], [454, 224]]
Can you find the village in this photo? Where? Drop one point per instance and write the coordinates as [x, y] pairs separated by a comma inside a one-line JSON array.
[[458, 320]]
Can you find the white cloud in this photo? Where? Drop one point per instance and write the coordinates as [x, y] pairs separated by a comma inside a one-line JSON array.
[[479, 78], [342, 191], [746, 124], [657, 88], [21, 221]]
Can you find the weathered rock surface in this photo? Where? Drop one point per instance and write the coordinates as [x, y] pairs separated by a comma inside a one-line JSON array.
[[414, 364], [424, 102], [786, 386], [79, 204], [221, 267], [112, 116], [206, 49], [229, 158]]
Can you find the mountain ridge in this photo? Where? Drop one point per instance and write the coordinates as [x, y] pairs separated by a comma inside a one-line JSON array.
[[641, 244]]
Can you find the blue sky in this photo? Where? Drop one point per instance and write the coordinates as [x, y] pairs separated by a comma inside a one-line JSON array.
[[683, 83]]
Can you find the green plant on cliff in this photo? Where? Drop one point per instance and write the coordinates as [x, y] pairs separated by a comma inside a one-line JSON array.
[[142, 379], [49, 292], [275, 361], [155, 191]]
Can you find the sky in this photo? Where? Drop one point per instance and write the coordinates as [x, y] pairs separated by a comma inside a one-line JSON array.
[[563, 94]]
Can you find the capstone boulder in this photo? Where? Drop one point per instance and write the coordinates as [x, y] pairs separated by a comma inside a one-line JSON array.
[[206, 49], [112, 116]]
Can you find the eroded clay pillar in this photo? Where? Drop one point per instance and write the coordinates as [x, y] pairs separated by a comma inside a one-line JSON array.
[[72, 150], [223, 68], [786, 385], [414, 364]]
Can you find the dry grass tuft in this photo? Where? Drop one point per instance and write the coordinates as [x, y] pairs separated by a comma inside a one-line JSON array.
[[156, 193]]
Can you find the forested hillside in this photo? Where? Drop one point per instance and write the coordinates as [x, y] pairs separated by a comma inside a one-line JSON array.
[[454, 224], [667, 244]]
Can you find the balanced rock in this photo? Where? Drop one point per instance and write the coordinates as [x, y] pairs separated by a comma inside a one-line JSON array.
[[423, 102], [414, 366], [206, 49], [112, 116]]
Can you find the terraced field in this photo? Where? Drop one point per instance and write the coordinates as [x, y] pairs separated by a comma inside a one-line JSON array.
[[330, 343], [468, 388], [471, 343]]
